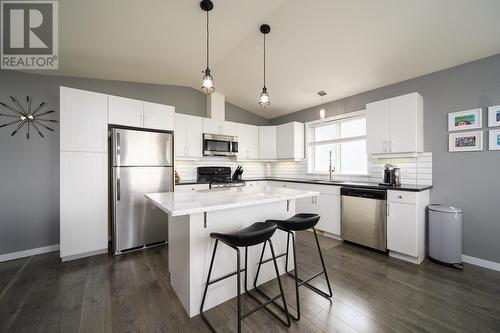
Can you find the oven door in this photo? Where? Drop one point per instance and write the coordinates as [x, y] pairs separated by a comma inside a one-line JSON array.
[[217, 145]]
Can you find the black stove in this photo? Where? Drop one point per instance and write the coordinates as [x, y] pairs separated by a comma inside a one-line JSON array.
[[217, 177]]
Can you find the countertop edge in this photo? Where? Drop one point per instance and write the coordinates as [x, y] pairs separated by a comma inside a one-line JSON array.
[[325, 182], [231, 205]]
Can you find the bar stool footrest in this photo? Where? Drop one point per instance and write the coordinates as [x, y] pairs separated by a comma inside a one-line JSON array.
[[308, 285], [273, 301], [264, 305]]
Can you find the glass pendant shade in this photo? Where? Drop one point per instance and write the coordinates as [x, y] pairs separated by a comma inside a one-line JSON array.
[[264, 98], [322, 113], [207, 83]]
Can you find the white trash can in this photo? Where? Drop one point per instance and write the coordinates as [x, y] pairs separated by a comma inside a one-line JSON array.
[[445, 235]]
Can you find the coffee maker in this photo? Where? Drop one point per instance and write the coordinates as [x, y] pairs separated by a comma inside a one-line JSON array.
[[392, 176]]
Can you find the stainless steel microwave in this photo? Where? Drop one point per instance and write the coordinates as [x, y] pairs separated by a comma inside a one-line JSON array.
[[219, 145]]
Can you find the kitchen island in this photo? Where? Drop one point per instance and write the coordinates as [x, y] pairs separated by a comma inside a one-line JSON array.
[[194, 215]]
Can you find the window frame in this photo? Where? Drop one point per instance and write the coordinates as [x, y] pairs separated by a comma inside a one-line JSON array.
[[310, 143]]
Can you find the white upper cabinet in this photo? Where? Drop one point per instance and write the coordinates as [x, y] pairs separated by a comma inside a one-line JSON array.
[[158, 116], [83, 120], [377, 127], [214, 126], [248, 141], [188, 136], [267, 142], [395, 125], [407, 123], [229, 128], [290, 141], [125, 111], [134, 113]]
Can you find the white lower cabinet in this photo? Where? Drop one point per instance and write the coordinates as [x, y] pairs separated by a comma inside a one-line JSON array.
[[327, 205], [83, 204], [402, 228], [329, 210], [406, 224]]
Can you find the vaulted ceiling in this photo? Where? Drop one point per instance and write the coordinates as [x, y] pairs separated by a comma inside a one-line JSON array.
[[341, 46]]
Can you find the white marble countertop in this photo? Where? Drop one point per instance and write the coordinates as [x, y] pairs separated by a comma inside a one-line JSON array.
[[185, 203]]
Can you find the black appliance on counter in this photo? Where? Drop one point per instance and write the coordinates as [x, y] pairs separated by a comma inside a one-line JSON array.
[[392, 176], [238, 173], [218, 177]]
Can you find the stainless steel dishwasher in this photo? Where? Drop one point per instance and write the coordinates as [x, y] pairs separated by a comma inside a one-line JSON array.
[[364, 217]]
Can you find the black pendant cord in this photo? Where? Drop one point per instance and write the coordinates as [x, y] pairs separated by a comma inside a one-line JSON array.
[[208, 39], [264, 60]]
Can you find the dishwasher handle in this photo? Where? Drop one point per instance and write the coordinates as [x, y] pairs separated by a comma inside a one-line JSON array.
[[364, 193]]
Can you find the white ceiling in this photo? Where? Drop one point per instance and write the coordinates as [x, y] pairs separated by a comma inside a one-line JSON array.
[[341, 46]]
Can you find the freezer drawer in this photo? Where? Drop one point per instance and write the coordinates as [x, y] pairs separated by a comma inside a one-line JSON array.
[[138, 222], [364, 220]]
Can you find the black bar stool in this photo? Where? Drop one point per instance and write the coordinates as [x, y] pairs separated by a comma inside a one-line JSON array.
[[297, 222], [255, 234]]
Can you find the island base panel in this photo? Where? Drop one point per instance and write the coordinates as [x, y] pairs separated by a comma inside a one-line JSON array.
[[190, 251]]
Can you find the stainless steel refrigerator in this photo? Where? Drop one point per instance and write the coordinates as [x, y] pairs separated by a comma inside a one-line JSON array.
[[142, 162]]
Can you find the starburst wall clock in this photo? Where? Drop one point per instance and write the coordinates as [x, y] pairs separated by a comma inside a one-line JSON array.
[[19, 117]]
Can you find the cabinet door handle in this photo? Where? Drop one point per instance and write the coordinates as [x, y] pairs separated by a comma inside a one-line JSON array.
[[400, 197], [389, 146], [388, 209], [384, 146]]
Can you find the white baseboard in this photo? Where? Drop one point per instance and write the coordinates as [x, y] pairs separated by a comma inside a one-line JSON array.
[[401, 256], [481, 262], [84, 255], [29, 253]]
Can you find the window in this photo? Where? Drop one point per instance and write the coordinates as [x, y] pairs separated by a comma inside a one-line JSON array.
[[344, 139]]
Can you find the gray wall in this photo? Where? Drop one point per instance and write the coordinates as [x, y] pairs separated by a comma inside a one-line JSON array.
[[471, 180], [29, 170]]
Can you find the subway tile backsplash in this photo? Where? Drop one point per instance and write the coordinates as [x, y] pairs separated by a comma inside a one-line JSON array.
[[414, 170], [187, 169]]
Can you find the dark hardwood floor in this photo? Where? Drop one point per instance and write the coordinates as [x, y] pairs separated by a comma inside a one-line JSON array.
[[131, 293]]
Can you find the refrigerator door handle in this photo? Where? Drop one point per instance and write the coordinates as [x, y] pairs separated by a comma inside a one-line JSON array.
[[118, 185], [118, 148]]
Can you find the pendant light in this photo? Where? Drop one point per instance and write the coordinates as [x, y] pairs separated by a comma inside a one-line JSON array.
[[322, 109], [264, 96], [207, 82]]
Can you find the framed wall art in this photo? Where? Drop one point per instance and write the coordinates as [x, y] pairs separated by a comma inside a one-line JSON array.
[[494, 116], [466, 141], [495, 139], [465, 120]]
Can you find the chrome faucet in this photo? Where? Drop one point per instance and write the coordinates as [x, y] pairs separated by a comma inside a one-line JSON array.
[[330, 169]]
